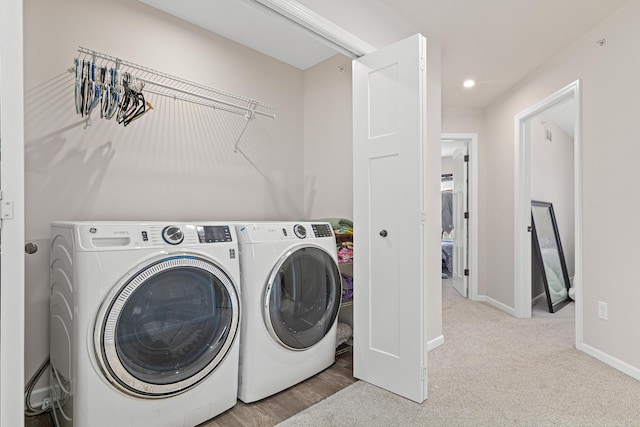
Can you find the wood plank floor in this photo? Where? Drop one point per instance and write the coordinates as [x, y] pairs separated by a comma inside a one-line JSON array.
[[277, 408], [274, 409]]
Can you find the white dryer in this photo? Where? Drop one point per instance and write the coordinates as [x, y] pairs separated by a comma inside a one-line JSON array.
[[144, 323], [291, 290]]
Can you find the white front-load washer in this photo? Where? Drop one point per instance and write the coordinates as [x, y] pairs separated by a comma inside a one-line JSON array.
[[144, 323], [291, 290]]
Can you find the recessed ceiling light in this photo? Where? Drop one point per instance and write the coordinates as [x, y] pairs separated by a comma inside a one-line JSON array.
[[469, 83]]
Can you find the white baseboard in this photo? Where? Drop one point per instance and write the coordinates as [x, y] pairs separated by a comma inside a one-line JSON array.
[[618, 364], [435, 343], [497, 304]]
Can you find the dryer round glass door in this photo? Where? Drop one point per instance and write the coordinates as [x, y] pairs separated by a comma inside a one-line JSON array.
[[302, 297], [168, 326]]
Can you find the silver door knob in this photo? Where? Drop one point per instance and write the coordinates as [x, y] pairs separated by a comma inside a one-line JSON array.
[[383, 233]]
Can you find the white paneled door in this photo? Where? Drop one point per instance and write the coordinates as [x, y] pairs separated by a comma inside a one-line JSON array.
[[11, 215], [389, 101], [460, 229]]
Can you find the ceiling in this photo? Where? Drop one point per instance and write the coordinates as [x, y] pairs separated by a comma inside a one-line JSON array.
[[495, 42], [251, 25]]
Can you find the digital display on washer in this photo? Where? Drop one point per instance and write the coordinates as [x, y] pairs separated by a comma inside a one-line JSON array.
[[213, 233], [322, 230]]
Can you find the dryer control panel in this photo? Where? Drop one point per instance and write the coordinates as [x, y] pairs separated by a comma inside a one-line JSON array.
[[322, 230], [282, 231]]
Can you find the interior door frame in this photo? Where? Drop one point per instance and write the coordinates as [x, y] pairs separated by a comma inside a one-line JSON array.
[[522, 197], [12, 242], [472, 191]]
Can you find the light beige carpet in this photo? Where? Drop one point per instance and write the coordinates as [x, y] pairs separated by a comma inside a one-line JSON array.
[[495, 370]]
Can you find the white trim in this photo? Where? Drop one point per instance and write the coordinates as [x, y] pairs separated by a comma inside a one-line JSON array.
[[618, 364], [522, 201], [435, 343], [522, 205], [12, 242], [577, 166], [472, 150], [497, 304], [319, 26]]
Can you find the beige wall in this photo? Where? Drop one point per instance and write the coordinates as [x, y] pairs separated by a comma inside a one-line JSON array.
[[328, 136], [175, 163], [609, 148], [552, 180]]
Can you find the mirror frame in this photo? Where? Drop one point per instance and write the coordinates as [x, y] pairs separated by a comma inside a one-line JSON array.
[[553, 307]]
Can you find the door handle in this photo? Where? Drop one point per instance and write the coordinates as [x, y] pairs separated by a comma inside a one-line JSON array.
[[31, 248], [529, 229], [383, 233]]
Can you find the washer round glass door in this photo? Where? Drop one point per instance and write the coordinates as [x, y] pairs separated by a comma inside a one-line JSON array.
[[168, 326], [302, 297]]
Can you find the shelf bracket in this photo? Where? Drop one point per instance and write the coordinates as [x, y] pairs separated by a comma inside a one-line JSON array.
[[249, 115]]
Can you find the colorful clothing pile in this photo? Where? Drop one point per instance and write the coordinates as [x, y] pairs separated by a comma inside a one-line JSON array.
[[343, 230], [347, 287], [344, 242]]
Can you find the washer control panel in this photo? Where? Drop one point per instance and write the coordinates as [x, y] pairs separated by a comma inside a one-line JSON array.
[[214, 233], [123, 235]]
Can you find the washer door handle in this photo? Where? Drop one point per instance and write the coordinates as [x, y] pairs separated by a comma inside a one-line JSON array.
[[383, 233]]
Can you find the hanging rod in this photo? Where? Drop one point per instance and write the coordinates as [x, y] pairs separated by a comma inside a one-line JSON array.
[[179, 88]]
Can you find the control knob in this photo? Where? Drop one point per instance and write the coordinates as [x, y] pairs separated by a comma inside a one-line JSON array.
[[173, 235], [300, 231]]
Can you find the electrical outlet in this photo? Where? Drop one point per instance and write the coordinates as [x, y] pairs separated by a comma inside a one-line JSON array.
[[46, 403], [603, 311]]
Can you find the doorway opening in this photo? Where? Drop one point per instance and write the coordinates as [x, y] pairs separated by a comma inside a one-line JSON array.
[[548, 110], [459, 188]]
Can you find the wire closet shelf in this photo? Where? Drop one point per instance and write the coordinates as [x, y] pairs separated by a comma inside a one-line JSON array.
[[177, 88]]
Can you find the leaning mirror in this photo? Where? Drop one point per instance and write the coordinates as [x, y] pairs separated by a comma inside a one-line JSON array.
[[549, 255]]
